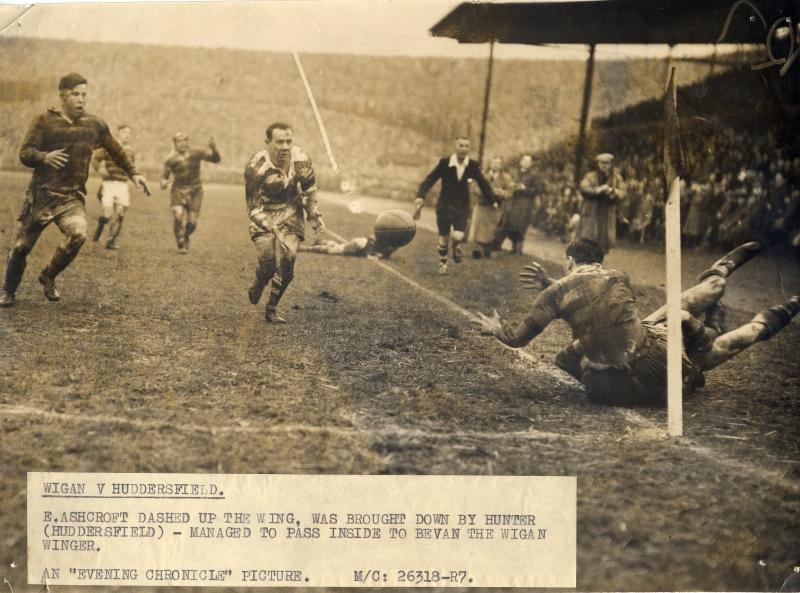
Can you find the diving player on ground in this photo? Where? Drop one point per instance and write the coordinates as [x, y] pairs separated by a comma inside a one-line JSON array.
[[619, 358]]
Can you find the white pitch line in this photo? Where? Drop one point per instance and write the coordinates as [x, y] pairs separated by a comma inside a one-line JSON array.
[[527, 356], [108, 419], [757, 473]]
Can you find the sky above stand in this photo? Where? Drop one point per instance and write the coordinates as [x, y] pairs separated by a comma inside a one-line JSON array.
[[369, 27]]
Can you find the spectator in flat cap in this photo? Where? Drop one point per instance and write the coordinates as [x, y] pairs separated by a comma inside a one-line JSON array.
[[601, 188]]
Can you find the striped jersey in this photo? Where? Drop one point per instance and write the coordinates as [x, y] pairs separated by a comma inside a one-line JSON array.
[[267, 185], [113, 171]]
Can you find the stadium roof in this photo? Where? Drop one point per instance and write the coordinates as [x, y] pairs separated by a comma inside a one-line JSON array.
[[592, 22]]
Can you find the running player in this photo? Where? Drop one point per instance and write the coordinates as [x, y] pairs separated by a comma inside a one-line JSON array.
[[618, 357], [114, 195], [59, 147], [280, 189], [186, 196]]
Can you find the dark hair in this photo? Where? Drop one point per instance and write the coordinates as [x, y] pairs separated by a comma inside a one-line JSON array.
[[278, 125], [122, 127], [585, 251], [70, 81]]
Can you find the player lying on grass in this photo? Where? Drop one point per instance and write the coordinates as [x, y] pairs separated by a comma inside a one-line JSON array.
[[358, 247], [619, 358], [58, 147]]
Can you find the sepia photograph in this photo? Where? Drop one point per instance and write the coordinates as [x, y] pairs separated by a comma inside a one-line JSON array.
[[412, 238]]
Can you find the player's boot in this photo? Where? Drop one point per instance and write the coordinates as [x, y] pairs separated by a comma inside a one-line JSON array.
[[112, 244], [7, 299], [49, 285], [728, 263], [271, 316], [457, 255], [443, 269], [777, 317]]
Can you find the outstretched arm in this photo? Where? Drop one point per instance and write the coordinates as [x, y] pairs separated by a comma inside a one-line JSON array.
[[516, 335], [211, 154], [425, 187]]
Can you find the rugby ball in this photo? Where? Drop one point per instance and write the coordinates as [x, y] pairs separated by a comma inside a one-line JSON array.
[[394, 228]]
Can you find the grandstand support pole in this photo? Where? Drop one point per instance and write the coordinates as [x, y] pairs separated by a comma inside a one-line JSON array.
[[580, 147], [673, 163], [486, 94]]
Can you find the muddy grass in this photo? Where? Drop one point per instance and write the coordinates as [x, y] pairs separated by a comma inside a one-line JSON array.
[[156, 362]]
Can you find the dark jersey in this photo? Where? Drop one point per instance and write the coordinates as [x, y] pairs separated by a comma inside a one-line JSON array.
[[185, 168], [600, 308], [52, 131], [115, 172]]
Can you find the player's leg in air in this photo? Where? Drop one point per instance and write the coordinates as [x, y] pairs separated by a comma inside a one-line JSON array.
[[106, 210], [706, 339], [25, 237], [195, 201]]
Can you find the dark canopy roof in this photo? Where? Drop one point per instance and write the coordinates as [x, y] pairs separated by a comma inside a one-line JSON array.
[[669, 22]]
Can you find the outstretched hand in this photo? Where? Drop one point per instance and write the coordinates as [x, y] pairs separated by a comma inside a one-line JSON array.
[[317, 224], [534, 277], [140, 182], [489, 326]]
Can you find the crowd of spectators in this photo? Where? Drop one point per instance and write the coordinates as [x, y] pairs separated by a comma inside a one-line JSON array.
[[737, 185]]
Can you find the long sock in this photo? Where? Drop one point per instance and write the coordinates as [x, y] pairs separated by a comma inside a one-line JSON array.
[[275, 293], [14, 270], [443, 253]]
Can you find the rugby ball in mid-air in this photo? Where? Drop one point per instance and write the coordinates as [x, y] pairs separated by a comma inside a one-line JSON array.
[[395, 228]]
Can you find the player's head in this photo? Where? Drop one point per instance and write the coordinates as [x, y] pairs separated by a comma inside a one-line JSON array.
[[526, 162], [72, 89], [279, 142], [604, 161], [124, 133], [462, 147], [496, 164], [584, 251], [181, 142]]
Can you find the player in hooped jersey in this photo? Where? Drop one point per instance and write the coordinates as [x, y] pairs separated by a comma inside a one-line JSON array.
[[280, 189], [59, 147], [186, 196], [114, 195]]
